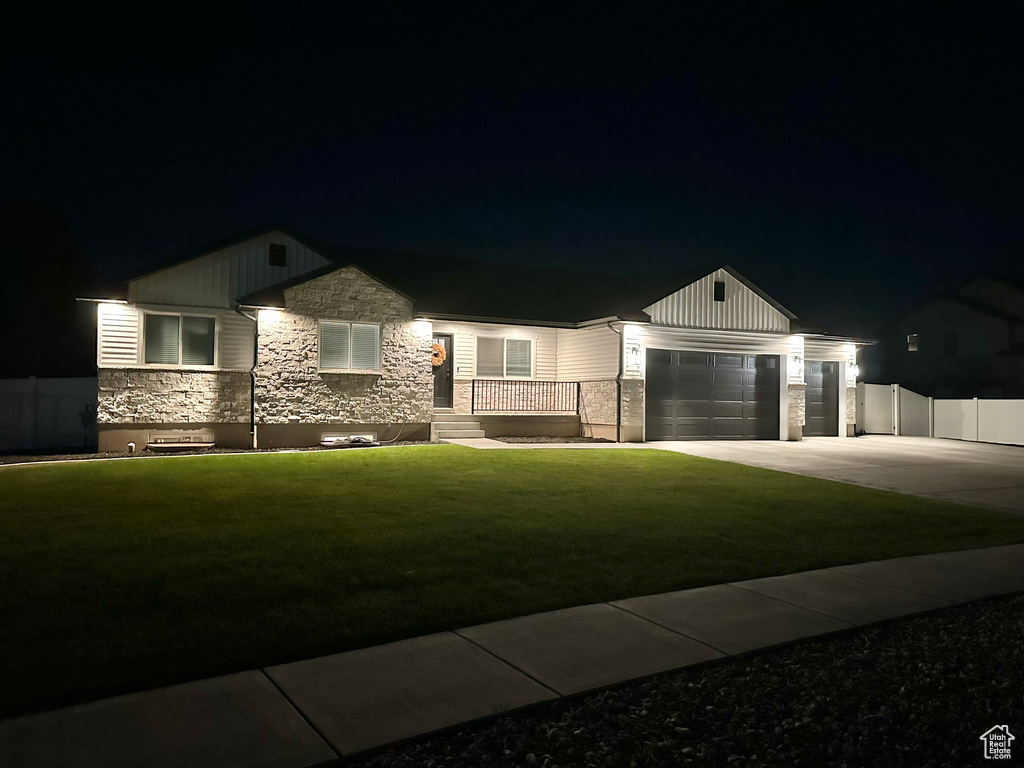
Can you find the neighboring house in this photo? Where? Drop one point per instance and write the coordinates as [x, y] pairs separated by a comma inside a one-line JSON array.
[[969, 343], [274, 339]]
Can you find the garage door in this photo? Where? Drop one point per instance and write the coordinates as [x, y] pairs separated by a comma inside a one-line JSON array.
[[822, 403], [711, 396]]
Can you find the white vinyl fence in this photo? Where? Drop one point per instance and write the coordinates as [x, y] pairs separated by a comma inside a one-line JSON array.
[[889, 409], [47, 414]]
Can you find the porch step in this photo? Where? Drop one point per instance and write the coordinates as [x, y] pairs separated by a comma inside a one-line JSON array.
[[448, 434], [448, 417]]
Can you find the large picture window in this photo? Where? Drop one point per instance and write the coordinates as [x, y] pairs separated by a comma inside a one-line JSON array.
[[504, 358], [349, 346], [179, 340]]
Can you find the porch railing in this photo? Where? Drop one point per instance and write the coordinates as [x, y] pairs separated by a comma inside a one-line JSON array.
[[507, 396]]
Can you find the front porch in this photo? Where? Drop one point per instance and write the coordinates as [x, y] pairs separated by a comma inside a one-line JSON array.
[[510, 408], [447, 424]]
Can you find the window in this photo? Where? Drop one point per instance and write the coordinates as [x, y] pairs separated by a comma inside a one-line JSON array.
[[951, 344], [504, 357], [278, 255], [912, 342], [719, 290], [349, 346], [179, 339]]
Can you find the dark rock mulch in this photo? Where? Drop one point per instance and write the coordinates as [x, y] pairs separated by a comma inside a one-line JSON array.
[[149, 454], [919, 692], [546, 439]]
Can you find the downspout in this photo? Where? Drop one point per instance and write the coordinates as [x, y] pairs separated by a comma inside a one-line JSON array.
[[252, 372], [618, 390]]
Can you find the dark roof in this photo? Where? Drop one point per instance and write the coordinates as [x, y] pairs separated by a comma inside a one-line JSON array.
[[453, 287], [443, 286]]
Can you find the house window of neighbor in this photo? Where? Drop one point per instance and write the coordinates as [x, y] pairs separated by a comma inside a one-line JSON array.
[[951, 344], [179, 339], [349, 346], [496, 357], [912, 339], [278, 255], [719, 290]]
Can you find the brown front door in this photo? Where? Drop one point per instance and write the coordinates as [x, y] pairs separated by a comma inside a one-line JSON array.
[[443, 372]]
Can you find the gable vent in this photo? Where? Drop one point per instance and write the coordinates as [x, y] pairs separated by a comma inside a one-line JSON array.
[[719, 290], [278, 255]]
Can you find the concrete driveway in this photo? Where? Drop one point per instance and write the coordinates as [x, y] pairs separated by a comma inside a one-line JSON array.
[[950, 470]]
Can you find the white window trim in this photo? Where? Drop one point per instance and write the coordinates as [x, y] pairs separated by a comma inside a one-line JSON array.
[[178, 366], [504, 357], [349, 323]]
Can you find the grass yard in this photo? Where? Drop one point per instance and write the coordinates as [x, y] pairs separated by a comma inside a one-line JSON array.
[[124, 575]]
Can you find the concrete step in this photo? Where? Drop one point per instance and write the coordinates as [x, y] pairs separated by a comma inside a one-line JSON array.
[[451, 417], [445, 434], [449, 425]]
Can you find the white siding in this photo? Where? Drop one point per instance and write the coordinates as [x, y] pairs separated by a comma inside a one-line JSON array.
[[117, 330], [714, 341], [545, 345], [237, 337], [590, 354], [820, 349], [219, 278], [695, 307]]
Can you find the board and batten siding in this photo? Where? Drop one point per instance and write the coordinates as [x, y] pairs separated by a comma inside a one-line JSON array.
[[117, 331], [588, 354], [219, 278], [695, 307], [545, 346]]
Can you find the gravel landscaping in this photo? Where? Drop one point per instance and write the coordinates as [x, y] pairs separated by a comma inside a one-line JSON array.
[[919, 692]]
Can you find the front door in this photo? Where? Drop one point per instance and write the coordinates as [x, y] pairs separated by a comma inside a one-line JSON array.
[[442, 361]]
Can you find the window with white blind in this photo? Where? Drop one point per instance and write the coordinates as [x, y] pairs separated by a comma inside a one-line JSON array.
[[187, 340], [504, 358], [349, 346]]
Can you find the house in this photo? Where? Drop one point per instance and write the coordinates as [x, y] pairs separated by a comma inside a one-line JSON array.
[[276, 339], [968, 343]]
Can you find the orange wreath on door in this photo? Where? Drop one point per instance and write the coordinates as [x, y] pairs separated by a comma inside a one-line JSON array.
[[437, 355]]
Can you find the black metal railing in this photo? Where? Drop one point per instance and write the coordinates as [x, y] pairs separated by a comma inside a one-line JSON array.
[[526, 396]]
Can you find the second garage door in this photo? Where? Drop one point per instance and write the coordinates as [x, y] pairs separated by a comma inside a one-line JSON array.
[[711, 396], [822, 399]]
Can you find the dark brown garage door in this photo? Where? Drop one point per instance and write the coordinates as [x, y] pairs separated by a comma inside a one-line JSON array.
[[712, 396], [822, 419]]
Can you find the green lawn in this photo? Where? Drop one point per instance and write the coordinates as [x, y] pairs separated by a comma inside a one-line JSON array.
[[124, 575]]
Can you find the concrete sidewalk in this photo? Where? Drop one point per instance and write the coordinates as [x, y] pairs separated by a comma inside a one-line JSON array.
[[315, 712]]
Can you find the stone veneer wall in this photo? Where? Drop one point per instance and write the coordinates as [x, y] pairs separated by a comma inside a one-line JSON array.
[[797, 410], [462, 396], [290, 389], [851, 404], [148, 396], [597, 402]]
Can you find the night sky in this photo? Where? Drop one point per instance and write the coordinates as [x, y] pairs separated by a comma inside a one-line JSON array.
[[848, 162]]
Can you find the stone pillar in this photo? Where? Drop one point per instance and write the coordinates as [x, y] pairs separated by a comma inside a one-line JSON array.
[[797, 410], [632, 430]]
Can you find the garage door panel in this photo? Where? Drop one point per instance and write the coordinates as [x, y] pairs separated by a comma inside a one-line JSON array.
[[691, 358], [701, 396], [727, 361], [695, 375], [727, 410], [735, 378], [727, 394]]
